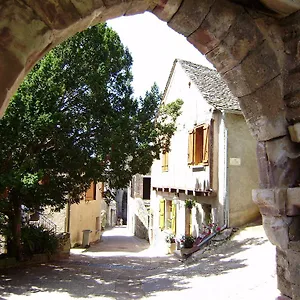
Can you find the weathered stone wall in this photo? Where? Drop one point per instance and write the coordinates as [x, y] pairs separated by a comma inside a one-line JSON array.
[[255, 49]]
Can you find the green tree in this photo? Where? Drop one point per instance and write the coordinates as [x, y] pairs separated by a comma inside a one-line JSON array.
[[74, 120]]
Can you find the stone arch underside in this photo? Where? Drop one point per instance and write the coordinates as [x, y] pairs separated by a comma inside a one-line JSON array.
[[255, 47]]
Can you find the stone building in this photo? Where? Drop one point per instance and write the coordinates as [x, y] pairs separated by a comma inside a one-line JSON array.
[[212, 158], [253, 44], [76, 218], [138, 212]]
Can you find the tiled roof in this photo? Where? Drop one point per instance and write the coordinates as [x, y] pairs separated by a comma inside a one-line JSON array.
[[213, 88]]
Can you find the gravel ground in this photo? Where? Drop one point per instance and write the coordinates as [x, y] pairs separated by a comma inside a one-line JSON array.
[[124, 267]]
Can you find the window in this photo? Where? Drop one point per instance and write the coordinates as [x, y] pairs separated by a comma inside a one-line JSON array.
[[165, 161], [198, 145], [97, 223], [146, 188], [91, 192]]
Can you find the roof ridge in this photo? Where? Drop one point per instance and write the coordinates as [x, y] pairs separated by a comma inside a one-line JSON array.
[[211, 85], [193, 63]]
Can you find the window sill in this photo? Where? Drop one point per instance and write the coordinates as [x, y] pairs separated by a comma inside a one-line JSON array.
[[198, 168]]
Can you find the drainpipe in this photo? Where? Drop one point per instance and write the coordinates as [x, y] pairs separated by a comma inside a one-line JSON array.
[[68, 216], [225, 172]]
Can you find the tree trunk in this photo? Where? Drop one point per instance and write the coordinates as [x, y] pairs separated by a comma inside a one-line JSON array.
[[15, 220]]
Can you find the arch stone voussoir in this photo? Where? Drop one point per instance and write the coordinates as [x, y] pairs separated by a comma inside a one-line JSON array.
[[264, 111], [55, 14], [243, 37], [189, 16], [256, 70], [215, 26], [256, 50], [165, 10]]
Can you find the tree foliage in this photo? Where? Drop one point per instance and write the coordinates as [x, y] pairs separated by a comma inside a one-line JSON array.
[[74, 120]]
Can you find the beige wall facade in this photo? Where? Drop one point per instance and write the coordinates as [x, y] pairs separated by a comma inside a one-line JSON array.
[[86, 216], [242, 171]]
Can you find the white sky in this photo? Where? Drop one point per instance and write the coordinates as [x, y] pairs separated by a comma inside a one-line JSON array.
[[153, 46]]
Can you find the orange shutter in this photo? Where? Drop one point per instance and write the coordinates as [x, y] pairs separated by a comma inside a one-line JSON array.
[[191, 148], [90, 193], [205, 144]]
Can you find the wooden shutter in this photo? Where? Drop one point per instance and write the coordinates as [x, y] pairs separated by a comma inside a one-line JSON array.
[[205, 144], [191, 148], [174, 218], [91, 192], [165, 161], [162, 214]]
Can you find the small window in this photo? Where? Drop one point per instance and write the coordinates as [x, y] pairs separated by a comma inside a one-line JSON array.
[[97, 224], [198, 146], [146, 188]]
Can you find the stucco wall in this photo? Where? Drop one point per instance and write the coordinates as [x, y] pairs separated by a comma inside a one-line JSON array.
[[195, 111], [83, 216], [242, 171]]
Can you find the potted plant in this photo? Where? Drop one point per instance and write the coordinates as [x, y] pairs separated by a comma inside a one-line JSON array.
[[190, 203], [187, 241], [171, 242]]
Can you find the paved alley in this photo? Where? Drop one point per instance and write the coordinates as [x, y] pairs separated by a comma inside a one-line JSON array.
[[124, 267]]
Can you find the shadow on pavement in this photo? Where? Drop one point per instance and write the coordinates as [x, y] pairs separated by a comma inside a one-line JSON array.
[[118, 276]]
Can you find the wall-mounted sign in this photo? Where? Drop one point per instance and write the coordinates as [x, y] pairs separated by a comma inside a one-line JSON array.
[[235, 161]]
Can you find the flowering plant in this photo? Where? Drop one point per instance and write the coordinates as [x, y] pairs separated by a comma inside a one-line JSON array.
[[211, 228], [190, 203], [187, 241], [170, 238]]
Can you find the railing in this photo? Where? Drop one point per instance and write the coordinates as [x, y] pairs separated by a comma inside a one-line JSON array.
[[45, 222]]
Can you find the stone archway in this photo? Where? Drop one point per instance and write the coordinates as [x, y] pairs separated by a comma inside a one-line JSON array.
[[253, 44]]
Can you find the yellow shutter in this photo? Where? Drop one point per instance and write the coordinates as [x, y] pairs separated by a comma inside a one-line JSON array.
[[191, 148], [174, 218], [205, 144], [90, 193], [165, 161], [162, 214]]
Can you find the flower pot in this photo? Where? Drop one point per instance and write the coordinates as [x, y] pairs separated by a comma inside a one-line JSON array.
[[171, 248]]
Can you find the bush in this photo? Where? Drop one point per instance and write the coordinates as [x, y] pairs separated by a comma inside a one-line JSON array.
[[37, 240]]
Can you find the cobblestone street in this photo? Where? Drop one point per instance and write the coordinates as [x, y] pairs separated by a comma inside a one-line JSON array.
[[123, 267]]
